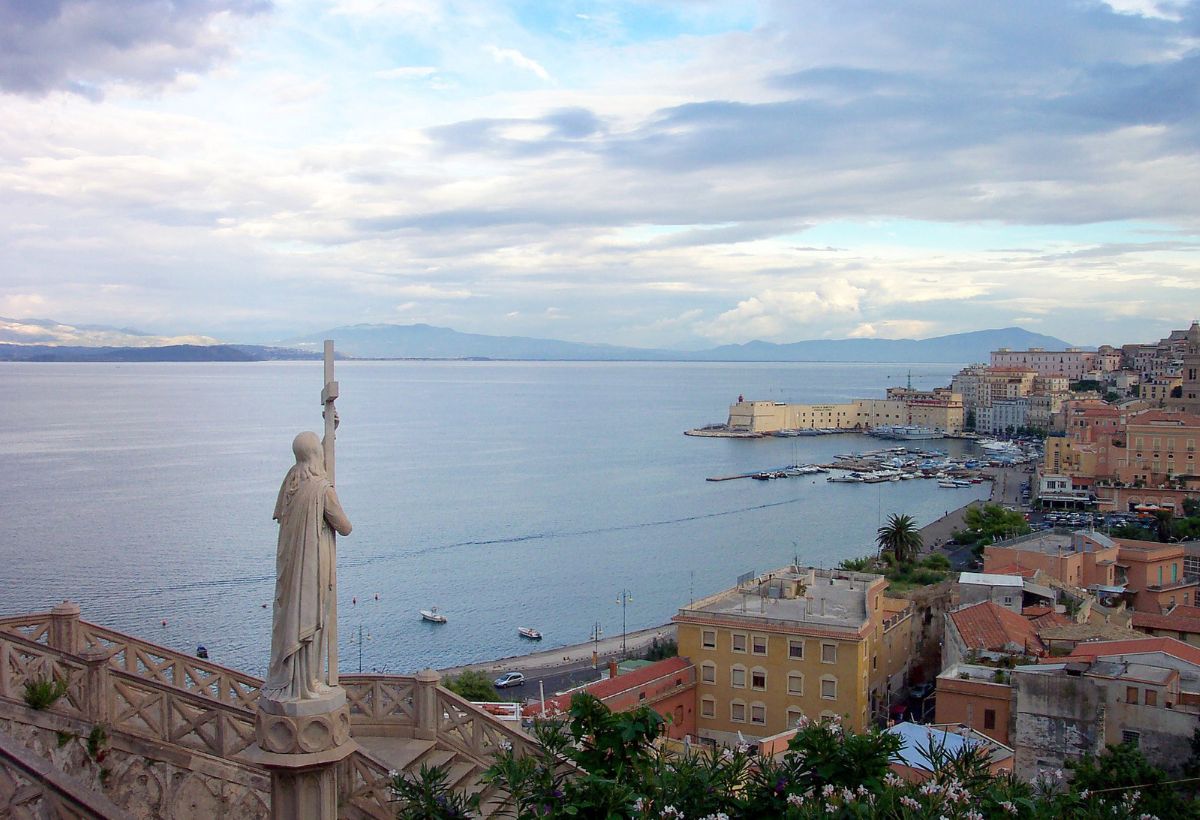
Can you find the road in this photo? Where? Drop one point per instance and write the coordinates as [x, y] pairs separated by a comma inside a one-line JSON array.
[[1006, 489]]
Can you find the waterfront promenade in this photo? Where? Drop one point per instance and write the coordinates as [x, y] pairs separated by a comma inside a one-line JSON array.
[[573, 664]]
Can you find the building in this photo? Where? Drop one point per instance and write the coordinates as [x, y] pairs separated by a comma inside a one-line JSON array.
[[987, 630], [1003, 590], [1146, 575], [1189, 398], [938, 409], [1181, 623], [796, 641], [1080, 559], [1072, 363], [1159, 445], [976, 696], [667, 686], [1145, 692], [912, 762]]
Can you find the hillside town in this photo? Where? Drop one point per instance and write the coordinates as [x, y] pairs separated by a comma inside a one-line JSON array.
[[1070, 640], [1079, 632]]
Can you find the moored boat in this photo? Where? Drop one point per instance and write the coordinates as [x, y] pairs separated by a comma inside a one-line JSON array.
[[433, 616], [529, 632]]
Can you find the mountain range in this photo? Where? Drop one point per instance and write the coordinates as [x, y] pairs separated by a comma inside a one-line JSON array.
[[47, 340], [428, 342]]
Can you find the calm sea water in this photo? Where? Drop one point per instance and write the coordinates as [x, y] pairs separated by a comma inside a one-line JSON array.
[[505, 493]]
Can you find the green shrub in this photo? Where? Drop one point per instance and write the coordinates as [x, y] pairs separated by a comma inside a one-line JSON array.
[[42, 693], [472, 685]]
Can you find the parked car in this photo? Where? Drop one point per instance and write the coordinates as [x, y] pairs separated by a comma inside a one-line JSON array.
[[509, 679], [921, 691]]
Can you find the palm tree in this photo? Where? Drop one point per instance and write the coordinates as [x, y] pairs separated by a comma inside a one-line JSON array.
[[900, 537]]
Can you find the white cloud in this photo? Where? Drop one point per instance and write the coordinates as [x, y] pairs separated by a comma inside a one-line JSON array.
[[516, 58]]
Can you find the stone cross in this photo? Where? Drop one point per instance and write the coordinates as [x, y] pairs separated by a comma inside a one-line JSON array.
[[329, 394]]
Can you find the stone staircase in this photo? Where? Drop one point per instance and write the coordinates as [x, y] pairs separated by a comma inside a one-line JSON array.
[[178, 728]]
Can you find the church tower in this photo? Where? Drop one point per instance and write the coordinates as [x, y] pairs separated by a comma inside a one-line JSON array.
[[1189, 401]]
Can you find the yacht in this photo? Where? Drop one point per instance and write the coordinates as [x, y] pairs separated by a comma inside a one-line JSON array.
[[433, 616]]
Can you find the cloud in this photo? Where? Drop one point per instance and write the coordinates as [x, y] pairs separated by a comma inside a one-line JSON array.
[[516, 58], [84, 46], [893, 329], [779, 315]]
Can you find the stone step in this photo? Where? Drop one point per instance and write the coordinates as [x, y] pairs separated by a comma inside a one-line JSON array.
[[397, 752]]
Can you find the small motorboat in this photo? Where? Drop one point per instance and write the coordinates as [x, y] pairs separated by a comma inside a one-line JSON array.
[[529, 632], [432, 615]]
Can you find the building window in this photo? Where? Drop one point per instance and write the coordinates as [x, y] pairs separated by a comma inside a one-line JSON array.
[[738, 641], [708, 639], [795, 683], [1131, 694], [737, 677], [758, 644], [989, 718], [793, 716], [708, 707], [828, 653], [758, 714], [737, 711], [795, 649], [829, 687], [758, 678], [1132, 738], [874, 661], [1151, 697], [708, 673]]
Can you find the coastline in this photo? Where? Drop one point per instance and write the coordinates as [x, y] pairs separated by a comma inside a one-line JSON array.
[[1006, 486]]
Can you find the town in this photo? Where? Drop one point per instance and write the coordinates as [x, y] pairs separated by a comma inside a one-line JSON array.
[[1077, 638]]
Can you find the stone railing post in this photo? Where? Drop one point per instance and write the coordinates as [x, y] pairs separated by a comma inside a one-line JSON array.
[[427, 705], [65, 634], [96, 695]]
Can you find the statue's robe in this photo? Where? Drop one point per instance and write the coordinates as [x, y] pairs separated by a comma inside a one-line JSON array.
[[308, 513]]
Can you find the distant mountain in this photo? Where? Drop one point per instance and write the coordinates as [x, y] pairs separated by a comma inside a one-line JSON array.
[[428, 342], [50, 332], [975, 346], [165, 353]]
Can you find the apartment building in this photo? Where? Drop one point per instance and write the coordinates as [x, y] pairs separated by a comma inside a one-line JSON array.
[[795, 641], [1072, 363], [1159, 445]]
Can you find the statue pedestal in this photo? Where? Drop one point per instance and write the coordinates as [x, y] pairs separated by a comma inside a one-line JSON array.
[[301, 742]]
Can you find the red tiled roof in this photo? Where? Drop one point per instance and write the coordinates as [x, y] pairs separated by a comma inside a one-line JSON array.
[[1050, 619], [1174, 620], [988, 626], [1169, 646], [614, 686], [1036, 611], [1184, 419]]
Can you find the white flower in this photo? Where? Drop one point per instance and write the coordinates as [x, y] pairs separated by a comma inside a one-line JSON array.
[[794, 800], [1083, 795], [909, 803], [672, 812], [1008, 807], [639, 804], [727, 754]]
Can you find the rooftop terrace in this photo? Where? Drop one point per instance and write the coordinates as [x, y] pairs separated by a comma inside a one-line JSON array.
[[792, 596]]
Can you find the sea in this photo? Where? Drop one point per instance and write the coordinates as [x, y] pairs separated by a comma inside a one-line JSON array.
[[504, 493]]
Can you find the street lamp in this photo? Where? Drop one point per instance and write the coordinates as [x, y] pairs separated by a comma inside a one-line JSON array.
[[625, 598], [597, 632]]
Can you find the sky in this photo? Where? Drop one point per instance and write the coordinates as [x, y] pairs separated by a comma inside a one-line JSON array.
[[656, 174]]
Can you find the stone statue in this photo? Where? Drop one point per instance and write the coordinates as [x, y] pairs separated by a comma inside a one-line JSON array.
[[308, 513]]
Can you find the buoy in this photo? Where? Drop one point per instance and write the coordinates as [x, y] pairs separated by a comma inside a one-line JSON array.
[[164, 622], [376, 596], [354, 600]]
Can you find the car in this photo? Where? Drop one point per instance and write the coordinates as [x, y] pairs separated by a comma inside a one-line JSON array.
[[509, 679], [921, 691]]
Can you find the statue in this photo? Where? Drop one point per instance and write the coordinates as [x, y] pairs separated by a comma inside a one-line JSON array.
[[308, 512]]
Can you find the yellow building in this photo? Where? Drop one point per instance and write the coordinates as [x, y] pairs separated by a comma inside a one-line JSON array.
[[769, 416], [796, 641], [940, 409]]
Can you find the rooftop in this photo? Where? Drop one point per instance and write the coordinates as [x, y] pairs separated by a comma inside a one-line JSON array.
[[792, 596], [990, 579], [1139, 646], [988, 627], [1059, 541], [917, 739], [1179, 619]]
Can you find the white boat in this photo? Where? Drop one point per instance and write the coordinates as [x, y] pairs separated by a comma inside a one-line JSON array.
[[529, 632], [432, 615], [947, 484]]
